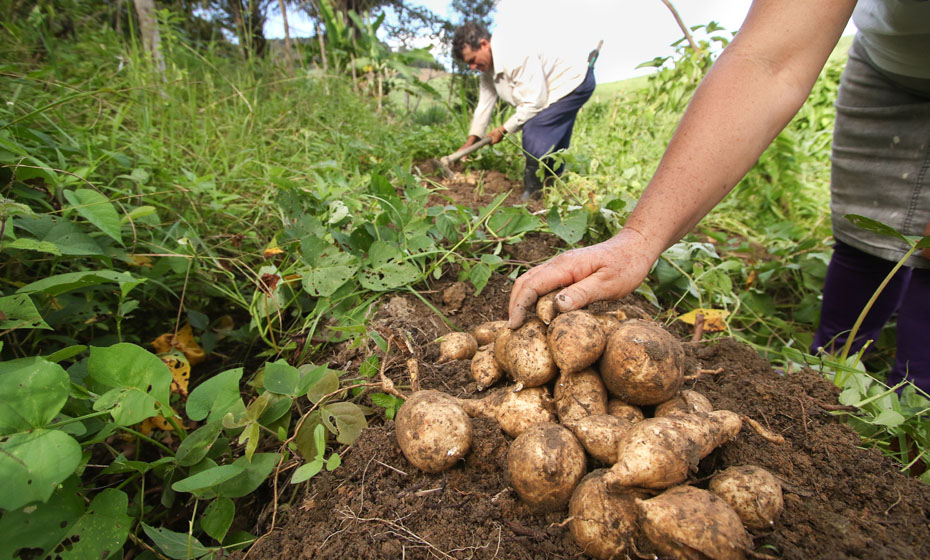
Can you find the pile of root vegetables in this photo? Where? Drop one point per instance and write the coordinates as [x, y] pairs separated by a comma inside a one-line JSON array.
[[572, 389]]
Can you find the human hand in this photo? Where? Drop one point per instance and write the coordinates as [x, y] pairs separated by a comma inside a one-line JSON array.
[[468, 142], [608, 270], [497, 135]]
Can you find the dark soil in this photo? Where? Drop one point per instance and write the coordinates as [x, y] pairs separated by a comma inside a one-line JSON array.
[[841, 501]]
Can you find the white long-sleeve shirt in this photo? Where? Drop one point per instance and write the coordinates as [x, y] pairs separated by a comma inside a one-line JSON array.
[[896, 35], [527, 75]]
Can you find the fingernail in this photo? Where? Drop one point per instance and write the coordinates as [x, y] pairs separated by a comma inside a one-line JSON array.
[[565, 301]]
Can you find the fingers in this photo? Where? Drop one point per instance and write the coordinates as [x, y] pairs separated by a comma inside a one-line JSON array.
[[537, 281]]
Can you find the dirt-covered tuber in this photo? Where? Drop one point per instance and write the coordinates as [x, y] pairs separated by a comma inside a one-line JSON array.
[[486, 333], [576, 340], [524, 354], [485, 369], [753, 493], [600, 434], [579, 394], [642, 363], [433, 431], [514, 411], [545, 464], [457, 346], [603, 524], [685, 402]]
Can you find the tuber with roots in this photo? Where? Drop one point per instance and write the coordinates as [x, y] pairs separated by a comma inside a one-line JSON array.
[[514, 411], [579, 394], [753, 493], [603, 524], [685, 402], [432, 430], [576, 340], [457, 346], [545, 463], [642, 363], [524, 354]]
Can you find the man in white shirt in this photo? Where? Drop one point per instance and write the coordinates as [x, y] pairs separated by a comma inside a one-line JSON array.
[[546, 88]]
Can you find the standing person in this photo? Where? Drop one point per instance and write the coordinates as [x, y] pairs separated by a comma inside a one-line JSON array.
[[546, 87], [881, 166]]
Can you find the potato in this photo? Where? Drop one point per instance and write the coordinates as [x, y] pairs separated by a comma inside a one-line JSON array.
[[545, 464], [659, 452], [546, 309], [609, 322], [753, 493], [484, 367], [433, 431], [685, 402], [524, 354], [579, 394], [620, 409], [603, 524], [642, 363], [688, 523], [486, 333], [576, 340], [514, 411], [457, 346], [600, 434]]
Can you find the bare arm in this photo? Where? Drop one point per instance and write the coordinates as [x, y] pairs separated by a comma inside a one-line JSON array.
[[753, 90]]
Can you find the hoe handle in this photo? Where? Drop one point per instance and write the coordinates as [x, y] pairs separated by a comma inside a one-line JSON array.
[[455, 156]]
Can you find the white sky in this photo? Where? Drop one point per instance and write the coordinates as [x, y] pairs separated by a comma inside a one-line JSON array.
[[634, 31]]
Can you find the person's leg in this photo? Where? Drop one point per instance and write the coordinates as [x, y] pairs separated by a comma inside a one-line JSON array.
[[913, 355], [852, 278]]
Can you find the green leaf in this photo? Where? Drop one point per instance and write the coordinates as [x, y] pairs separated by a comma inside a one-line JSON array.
[[29, 244], [479, 276], [326, 383], [43, 526], [571, 228], [874, 226], [309, 374], [251, 478], [385, 268], [32, 465], [98, 210], [61, 283], [333, 462], [197, 445], [32, 392], [344, 419], [102, 531], [327, 268], [218, 518], [140, 382], [66, 353], [216, 397], [202, 483], [19, 312], [179, 546], [281, 377], [890, 418], [509, 222], [307, 471]]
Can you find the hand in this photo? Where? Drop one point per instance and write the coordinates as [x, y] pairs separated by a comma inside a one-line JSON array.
[[497, 135], [606, 271], [468, 142]]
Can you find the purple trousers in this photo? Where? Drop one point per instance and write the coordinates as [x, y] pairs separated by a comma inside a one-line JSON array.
[[852, 278]]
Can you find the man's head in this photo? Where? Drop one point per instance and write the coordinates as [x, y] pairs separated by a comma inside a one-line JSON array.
[[472, 45]]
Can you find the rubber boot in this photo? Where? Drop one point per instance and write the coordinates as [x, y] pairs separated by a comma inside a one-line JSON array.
[[532, 185]]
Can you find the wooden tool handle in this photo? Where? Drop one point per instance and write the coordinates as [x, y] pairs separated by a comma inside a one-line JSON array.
[[455, 156]]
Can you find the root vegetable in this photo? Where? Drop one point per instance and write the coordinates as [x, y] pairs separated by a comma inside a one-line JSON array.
[[545, 464], [457, 346], [753, 493], [659, 452], [579, 394], [433, 431], [620, 409], [685, 402], [688, 523], [603, 524], [600, 435], [642, 363], [484, 368], [576, 340], [486, 333], [524, 354], [609, 322], [514, 411], [546, 309]]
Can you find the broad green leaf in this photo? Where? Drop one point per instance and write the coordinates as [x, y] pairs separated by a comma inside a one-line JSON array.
[[71, 240], [305, 438], [924, 242], [66, 353], [43, 526], [179, 546], [510, 221], [33, 464], [333, 462], [326, 384], [139, 382], [203, 483], [327, 268], [890, 418], [218, 517], [197, 445], [216, 397], [479, 276], [29, 244], [32, 392], [251, 477], [96, 209], [570, 228], [19, 312], [385, 268], [307, 471], [874, 226], [61, 283], [281, 377], [344, 419], [102, 531], [309, 374]]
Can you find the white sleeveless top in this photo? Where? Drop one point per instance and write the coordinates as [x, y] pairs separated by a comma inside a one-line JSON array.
[[896, 35]]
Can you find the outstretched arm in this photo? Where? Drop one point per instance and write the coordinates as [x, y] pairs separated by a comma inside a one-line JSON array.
[[750, 94]]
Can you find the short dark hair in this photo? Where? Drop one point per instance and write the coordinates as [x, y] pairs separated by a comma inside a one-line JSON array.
[[469, 34]]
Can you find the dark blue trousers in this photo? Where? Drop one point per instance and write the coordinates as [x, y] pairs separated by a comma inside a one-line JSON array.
[[852, 278], [551, 129]]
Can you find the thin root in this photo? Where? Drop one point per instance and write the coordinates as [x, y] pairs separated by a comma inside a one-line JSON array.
[[766, 434]]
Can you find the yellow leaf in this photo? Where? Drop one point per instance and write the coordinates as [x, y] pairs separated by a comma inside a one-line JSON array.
[[180, 370], [184, 342], [714, 319], [272, 251], [140, 260], [157, 422]]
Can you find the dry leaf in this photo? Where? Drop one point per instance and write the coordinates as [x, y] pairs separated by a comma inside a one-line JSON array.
[[714, 319]]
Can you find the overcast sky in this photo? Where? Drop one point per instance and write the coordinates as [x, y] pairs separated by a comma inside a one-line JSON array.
[[634, 31]]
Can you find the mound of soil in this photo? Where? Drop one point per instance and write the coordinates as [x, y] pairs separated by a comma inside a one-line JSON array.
[[841, 501]]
